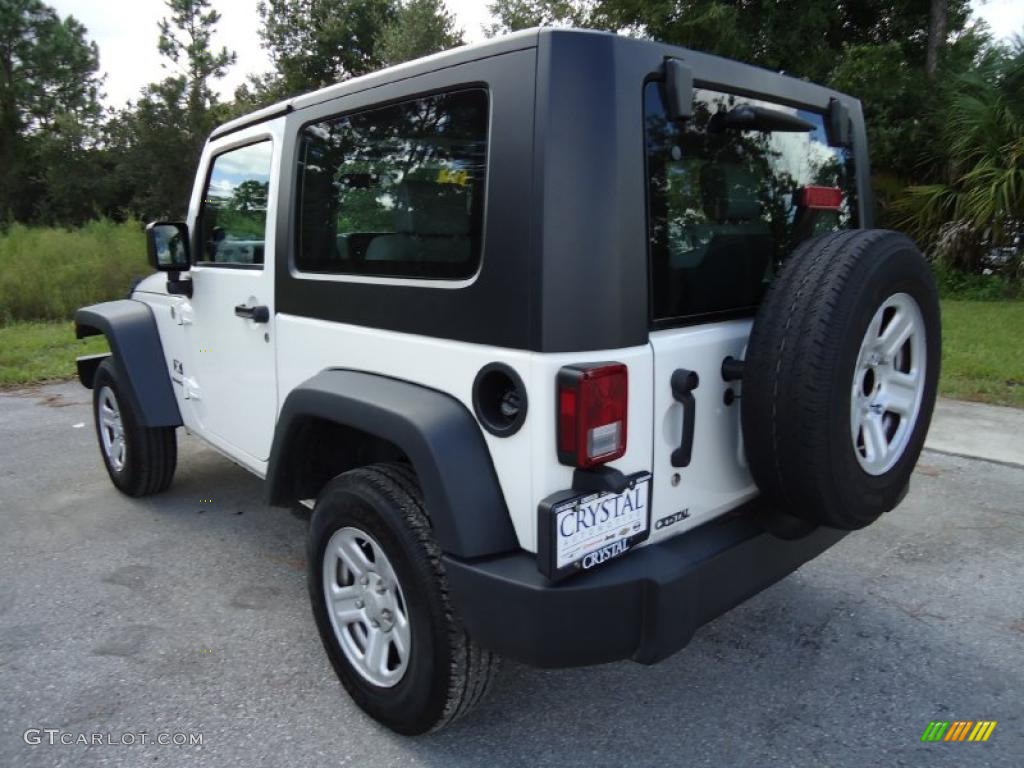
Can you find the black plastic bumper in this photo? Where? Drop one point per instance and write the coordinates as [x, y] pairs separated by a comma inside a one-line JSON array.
[[644, 606]]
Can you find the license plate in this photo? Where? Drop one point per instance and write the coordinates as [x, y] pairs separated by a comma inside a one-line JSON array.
[[582, 531]]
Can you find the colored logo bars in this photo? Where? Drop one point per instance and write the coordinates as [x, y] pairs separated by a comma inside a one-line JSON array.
[[959, 730]]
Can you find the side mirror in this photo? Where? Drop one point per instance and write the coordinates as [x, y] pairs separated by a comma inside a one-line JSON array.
[[678, 90], [167, 244]]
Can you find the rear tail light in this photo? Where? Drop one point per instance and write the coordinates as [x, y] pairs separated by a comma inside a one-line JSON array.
[[820, 198], [592, 405]]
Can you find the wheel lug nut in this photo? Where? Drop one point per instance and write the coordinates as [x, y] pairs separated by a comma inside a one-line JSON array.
[[364, 580], [359, 603]]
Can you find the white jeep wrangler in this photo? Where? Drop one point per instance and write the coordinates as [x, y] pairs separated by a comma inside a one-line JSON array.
[[577, 341]]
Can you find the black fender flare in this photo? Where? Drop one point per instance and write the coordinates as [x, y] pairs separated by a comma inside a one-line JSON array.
[[435, 431], [134, 341]]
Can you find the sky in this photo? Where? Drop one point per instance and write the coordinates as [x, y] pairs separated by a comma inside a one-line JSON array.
[[126, 32]]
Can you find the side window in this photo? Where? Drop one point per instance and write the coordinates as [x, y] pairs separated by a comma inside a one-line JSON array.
[[233, 217], [395, 191]]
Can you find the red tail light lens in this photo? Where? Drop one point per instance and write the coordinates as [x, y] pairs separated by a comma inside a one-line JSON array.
[[820, 198], [592, 405]]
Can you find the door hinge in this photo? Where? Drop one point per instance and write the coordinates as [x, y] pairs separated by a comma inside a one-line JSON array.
[[185, 314]]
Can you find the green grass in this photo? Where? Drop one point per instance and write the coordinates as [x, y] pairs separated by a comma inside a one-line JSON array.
[[968, 287], [982, 360], [35, 352], [983, 351], [46, 273]]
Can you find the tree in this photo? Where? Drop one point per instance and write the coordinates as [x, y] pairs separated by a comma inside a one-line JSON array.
[[314, 43], [513, 15], [258, 91], [250, 196], [48, 86], [978, 202], [156, 150], [801, 37], [159, 140], [186, 40], [936, 36], [421, 27]]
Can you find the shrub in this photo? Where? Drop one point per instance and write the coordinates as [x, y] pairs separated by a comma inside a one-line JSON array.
[[47, 273], [957, 284]]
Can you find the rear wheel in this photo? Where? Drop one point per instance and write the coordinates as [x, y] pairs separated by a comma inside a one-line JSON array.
[[139, 460], [380, 599], [840, 377]]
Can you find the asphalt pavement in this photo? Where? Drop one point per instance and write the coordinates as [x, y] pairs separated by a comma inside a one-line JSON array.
[[177, 615]]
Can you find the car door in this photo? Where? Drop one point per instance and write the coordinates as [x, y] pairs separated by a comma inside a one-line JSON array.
[[230, 382]]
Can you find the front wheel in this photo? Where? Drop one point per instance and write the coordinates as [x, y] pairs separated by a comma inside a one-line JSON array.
[[140, 460], [380, 600]]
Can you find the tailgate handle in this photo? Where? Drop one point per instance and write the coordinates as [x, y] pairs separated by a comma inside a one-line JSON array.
[[683, 383]]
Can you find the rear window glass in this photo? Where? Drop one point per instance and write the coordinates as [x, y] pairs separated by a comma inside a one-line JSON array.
[[396, 190], [727, 202]]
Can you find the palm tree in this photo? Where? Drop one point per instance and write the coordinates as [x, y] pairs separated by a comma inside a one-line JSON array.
[[978, 203]]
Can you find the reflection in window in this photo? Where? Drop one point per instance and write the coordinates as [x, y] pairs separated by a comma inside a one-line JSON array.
[[727, 205], [233, 218], [396, 190]]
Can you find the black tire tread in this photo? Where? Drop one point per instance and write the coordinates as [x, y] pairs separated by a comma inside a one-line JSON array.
[[788, 303], [472, 669], [789, 389], [154, 450]]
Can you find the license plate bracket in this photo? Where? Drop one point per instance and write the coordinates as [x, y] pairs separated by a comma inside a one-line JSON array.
[[580, 530]]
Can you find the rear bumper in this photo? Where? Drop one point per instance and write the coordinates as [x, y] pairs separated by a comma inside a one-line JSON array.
[[645, 606]]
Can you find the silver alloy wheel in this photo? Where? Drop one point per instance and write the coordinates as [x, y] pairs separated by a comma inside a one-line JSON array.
[[888, 384], [366, 605], [108, 414]]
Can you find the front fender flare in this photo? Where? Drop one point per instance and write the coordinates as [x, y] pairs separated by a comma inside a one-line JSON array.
[[434, 430], [134, 340]]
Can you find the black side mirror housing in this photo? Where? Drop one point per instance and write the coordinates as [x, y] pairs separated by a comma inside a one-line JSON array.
[[167, 246], [678, 90]]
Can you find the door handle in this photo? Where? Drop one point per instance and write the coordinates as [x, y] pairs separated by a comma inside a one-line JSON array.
[[683, 383], [258, 314]]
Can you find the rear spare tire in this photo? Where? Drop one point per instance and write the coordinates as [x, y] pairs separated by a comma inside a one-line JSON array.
[[840, 377]]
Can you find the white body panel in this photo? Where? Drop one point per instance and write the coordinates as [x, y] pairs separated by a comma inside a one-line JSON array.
[[232, 375], [526, 463], [717, 478], [223, 367], [230, 379]]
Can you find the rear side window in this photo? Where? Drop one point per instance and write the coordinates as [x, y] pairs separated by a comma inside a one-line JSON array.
[[395, 191], [233, 216], [731, 192]]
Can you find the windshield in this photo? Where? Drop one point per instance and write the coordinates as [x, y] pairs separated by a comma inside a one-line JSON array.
[[726, 205]]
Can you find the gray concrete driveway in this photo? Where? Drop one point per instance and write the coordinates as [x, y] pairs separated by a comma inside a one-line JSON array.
[[178, 615]]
